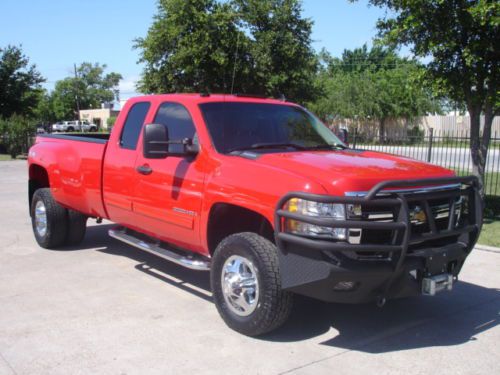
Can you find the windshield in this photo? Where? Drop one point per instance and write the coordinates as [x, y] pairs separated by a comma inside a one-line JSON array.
[[244, 126]]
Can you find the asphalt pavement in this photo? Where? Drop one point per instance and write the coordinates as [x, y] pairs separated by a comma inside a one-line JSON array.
[[106, 308], [449, 157]]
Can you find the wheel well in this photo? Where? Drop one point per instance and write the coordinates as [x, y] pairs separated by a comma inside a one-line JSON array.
[[38, 178], [226, 219]]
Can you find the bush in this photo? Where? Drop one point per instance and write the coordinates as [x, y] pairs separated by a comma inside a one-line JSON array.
[[110, 122], [15, 132], [492, 207], [416, 135]]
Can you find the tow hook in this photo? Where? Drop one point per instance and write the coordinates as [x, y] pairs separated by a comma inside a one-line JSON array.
[[381, 301]]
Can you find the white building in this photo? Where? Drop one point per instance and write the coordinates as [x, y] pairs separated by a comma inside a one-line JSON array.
[[99, 116]]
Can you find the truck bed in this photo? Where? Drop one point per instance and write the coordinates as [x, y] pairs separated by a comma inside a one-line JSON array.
[[75, 167], [80, 137]]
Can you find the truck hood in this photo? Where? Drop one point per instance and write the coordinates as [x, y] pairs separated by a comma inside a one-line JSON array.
[[352, 170]]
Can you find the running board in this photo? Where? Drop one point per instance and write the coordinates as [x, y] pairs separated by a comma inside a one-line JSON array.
[[191, 261]]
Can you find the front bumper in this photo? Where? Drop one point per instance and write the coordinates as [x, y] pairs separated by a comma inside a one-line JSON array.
[[331, 271]]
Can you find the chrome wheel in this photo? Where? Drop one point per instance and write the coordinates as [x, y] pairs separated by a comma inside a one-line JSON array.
[[40, 218], [240, 285]]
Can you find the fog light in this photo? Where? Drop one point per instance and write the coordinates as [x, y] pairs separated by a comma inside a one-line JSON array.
[[345, 285]]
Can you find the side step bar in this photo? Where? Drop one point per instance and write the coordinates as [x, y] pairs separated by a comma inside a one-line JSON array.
[[191, 261]]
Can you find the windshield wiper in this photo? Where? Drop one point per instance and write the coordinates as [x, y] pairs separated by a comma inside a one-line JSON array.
[[257, 146], [327, 147]]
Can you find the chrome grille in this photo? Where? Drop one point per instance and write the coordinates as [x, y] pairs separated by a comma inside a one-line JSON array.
[[440, 210]]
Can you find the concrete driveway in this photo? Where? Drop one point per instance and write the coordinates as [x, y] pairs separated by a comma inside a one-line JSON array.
[[106, 308]]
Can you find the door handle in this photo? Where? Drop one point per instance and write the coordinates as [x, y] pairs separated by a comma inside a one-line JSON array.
[[144, 169]]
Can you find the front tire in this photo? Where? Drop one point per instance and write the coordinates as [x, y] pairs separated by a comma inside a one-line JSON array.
[[246, 284], [49, 220]]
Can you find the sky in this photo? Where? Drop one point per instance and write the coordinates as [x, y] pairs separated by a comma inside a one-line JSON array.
[[55, 34]]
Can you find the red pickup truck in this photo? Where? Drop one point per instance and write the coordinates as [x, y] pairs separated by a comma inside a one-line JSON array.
[[262, 194]]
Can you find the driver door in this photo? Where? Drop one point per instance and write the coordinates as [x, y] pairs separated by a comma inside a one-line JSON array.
[[167, 196]]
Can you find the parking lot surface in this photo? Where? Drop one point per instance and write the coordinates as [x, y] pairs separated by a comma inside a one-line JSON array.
[[106, 308]]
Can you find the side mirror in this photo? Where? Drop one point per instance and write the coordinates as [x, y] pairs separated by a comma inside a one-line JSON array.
[[155, 141]]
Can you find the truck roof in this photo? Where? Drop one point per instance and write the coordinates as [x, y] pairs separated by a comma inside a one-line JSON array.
[[198, 98]]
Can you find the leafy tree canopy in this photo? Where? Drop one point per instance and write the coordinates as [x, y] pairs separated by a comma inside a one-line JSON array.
[[460, 37], [200, 45], [91, 87], [44, 112], [19, 83], [372, 84], [283, 62]]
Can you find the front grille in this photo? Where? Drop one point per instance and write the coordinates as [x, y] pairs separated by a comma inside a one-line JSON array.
[[382, 227], [440, 210]]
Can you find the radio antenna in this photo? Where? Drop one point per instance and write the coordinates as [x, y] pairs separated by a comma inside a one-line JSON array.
[[234, 64]]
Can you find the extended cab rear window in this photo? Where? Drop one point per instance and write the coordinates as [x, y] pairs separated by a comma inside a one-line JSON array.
[[133, 125], [179, 123]]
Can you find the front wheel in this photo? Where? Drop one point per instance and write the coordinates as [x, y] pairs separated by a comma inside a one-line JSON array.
[[246, 284]]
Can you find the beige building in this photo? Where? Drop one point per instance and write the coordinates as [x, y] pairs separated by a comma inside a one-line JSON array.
[[98, 116]]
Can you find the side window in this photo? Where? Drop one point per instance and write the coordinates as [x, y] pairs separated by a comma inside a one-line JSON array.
[[178, 121], [133, 125]]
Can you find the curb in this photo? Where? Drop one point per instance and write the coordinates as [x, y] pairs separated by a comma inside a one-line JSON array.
[[492, 249]]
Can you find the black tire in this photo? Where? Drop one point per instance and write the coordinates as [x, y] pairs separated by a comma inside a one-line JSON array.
[[273, 306], [56, 220], [70, 129], [77, 226]]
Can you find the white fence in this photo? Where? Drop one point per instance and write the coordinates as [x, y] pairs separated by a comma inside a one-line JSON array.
[[401, 128], [454, 124]]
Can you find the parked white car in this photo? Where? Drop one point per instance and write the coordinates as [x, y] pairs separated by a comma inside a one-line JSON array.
[[71, 126]]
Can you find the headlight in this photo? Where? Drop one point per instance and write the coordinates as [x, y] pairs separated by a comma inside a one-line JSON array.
[[316, 209]]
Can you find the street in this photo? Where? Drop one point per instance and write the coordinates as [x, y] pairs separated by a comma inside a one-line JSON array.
[[106, 308], [449, 157]]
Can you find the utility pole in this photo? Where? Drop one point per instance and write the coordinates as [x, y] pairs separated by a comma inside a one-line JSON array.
[[76, 94]]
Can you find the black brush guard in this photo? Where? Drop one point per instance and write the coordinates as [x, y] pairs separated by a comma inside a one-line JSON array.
[[309, 265]]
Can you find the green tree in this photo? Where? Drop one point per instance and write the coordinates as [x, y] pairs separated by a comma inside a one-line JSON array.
[[259, 47], [19, 83], [88, 89], [191, 46], [44, 111], [283, 62], [372, 84], [63, 99], [461, 39]]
